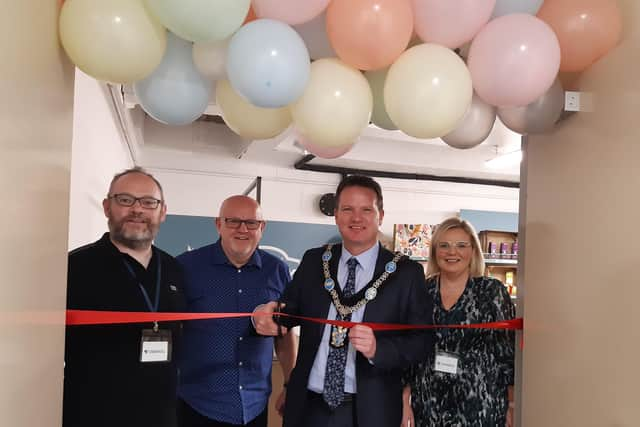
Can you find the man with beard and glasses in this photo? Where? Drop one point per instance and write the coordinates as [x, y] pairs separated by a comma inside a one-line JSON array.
[[125, 374]]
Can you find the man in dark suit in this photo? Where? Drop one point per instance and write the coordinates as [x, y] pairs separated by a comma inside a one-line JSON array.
[[352, 377]]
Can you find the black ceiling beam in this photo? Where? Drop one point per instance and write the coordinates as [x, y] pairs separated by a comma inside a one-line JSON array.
[[303, 164]]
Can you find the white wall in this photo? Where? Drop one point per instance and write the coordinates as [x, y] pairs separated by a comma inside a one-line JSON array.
[[198, 166], [291, 195], [98, 152]]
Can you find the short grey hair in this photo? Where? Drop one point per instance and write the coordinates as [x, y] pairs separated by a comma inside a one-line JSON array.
[[139, 170]]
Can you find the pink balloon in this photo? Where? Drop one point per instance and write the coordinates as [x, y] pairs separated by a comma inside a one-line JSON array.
[[514, 60], [324, 152], [450, 23], [292, 12]]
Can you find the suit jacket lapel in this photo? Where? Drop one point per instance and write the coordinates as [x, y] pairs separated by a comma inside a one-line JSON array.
[[336, 251], [384, 256]]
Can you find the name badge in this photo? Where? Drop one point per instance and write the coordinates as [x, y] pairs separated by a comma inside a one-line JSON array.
[[446, 362], [155, 346]]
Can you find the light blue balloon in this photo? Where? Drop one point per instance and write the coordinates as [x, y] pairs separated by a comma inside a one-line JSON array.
[[175, 93], [507, 7], [268, 63]]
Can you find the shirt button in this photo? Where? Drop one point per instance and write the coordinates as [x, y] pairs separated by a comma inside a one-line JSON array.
[[239, 338], [240, 387], [239, 363], [239, 271], [239, 291]]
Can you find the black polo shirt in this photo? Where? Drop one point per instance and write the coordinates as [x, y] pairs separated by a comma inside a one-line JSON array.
[[105, 383]]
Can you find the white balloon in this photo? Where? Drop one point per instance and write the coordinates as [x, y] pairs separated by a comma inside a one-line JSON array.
[[210, 59]]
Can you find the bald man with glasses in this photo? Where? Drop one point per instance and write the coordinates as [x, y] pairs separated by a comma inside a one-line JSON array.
[[225, 371]]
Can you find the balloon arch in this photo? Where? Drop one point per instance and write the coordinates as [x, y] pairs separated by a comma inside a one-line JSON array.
[[329, 67]]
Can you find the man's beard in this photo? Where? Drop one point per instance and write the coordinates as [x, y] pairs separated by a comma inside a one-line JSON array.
[[133, 239]]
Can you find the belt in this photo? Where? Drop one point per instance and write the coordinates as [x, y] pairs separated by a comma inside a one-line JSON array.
[[347, 397]]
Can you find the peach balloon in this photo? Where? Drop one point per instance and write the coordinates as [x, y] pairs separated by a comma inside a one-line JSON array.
[[369, 34], [292, 12], [251, 16], [450, 23], [514, 60], [323, 151], [586, 29]]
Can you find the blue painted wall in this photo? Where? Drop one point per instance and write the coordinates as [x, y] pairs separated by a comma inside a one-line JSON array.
[[180, 232], [487, 220]]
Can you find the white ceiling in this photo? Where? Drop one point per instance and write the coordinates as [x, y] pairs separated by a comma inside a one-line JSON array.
[[377, 149]]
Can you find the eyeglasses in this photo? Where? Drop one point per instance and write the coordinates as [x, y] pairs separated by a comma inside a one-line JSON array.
[[252, 224], [127, 200], [445, 246]]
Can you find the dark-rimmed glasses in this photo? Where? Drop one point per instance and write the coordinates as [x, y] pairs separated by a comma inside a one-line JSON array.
[[127, 200], [251, 224], [445, 246]]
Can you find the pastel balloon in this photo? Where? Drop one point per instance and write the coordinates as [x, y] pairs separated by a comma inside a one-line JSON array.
[[175, 93], [514, 60], [537, 117], [247, 120], [200, 20], [474, 127], [369, 34], [314, 34], [379, 115], [116, 41], [427, 91], [251, 16], [268, 63], [324, 152], [450, 23], [336, 105], [508, 7], [210, 58], [586, 29], [292, 12]]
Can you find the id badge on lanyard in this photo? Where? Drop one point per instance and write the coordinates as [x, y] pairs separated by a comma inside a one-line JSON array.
[[155, 344], [445, 361]]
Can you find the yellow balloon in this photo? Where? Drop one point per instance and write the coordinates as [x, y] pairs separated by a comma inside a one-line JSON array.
[[427, 91], [335, 106], [112, 40], [200, 20], [247, 120]]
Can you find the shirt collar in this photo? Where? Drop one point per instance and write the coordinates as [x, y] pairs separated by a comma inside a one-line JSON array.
[[366, 260], [218, 257]]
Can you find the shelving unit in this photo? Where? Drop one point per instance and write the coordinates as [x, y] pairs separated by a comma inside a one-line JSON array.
[[497, 264]]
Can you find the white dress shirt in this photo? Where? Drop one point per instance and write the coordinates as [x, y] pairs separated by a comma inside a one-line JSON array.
[[364, 274]]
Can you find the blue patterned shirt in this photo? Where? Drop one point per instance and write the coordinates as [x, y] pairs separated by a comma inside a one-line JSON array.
[[225, 367]]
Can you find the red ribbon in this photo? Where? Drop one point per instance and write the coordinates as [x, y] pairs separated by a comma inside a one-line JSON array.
[[88, 317]]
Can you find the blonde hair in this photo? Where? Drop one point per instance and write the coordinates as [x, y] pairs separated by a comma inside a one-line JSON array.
[[476, 267]]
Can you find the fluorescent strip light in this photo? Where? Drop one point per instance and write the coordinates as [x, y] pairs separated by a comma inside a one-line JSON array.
[[504, 160]]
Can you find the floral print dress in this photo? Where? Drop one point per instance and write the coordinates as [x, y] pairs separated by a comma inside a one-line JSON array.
[[476, 395]]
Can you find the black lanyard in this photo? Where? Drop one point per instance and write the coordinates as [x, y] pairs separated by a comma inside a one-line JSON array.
[[154, 307]]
